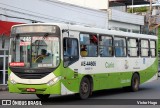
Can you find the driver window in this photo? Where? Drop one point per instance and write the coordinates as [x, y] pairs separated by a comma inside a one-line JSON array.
[[70, 47], [70, 51]]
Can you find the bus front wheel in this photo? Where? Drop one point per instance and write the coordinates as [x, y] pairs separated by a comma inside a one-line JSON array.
[[135, 82], [43, 96], [85, 88]]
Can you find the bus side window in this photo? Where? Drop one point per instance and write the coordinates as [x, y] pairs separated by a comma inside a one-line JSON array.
[[83, 50], [153, 48], [120, 46], [118, 52], [70, 51], [133, 49], [144, 47], [106, 46], [138, 51], [89, 45], [93, 47]]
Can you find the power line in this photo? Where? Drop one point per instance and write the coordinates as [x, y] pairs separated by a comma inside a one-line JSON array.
[[20, 18], [28, 14], [41, 21], [51, 19], [58, 2], [26, 11], [41, 16]]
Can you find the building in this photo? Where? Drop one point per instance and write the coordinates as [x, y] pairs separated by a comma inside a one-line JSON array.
[[13, 12]]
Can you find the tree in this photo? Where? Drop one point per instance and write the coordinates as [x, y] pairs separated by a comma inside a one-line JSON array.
[[138, 9]]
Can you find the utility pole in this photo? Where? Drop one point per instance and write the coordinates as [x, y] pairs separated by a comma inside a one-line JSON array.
[[150, 7], [150, 15], [132, 5]]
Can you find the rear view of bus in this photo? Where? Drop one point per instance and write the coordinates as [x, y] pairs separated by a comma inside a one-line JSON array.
[[34, 60]]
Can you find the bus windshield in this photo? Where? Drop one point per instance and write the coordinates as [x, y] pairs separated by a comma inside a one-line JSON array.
[[34, 51]]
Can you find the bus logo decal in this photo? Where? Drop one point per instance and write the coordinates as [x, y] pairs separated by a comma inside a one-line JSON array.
[[109, 65]]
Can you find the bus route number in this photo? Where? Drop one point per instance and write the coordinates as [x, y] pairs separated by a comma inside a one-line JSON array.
[[27, 39], [88, 63]]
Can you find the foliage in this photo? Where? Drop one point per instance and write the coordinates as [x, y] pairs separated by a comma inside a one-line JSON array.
[[138, 9]]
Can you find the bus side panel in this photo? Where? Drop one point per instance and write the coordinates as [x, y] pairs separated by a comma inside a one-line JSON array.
[[149, 73], [70, 80], [126, 78], [109, 80]]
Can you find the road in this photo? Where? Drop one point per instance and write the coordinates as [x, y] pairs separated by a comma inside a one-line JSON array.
[[147, 91]]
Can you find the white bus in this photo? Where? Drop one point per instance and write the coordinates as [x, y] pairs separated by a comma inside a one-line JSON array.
[[53, 58]]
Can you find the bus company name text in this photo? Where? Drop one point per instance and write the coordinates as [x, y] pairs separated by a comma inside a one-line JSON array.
[[109, 65]]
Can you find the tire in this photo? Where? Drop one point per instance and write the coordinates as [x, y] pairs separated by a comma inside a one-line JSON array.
[[43, 96], [135, 82], [85, 88]]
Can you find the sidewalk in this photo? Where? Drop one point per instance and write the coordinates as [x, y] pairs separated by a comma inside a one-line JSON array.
[[3, 87]]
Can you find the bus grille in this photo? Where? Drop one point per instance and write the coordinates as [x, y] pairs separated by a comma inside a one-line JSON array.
[[35, 75]]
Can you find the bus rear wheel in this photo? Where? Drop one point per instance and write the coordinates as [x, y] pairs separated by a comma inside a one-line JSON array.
[[43, 96], [85, 88], [135, 82]]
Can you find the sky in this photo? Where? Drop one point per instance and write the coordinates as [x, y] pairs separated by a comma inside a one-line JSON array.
[[96, 4]]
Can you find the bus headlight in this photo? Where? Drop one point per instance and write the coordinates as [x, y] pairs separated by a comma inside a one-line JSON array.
[[12, 80], [53, 81]]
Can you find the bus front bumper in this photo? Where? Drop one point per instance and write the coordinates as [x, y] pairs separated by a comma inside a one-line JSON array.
[[38, 88]]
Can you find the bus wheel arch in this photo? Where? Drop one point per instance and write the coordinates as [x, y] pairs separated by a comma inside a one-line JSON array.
[[86, 87], [91, 82], [135, 82]]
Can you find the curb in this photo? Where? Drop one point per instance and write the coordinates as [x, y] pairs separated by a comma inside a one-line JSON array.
[[3, 88]]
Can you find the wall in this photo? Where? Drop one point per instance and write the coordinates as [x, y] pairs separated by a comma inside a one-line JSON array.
[[3, 61], [119, 8], [51, 11], [120, 16], [6, 46], [117, 25]]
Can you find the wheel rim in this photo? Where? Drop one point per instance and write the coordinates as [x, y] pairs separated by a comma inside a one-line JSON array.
[[84, 87], [136, 83]]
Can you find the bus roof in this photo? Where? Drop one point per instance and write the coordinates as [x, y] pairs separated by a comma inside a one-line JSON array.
[[81, 28]]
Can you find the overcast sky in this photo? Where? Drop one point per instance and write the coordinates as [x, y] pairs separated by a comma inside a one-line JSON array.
[[96, 4]]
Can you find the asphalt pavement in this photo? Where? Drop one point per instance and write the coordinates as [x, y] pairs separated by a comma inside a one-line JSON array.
[[101, 99]]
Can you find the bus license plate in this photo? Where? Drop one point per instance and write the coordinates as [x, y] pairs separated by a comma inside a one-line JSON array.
[[30, 89]]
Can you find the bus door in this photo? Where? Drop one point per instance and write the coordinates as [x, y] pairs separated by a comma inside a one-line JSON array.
[[70, 56], [70, 63], [70, 52]]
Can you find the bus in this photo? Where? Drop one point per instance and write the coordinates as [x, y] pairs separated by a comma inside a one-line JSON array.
[[62, 59]]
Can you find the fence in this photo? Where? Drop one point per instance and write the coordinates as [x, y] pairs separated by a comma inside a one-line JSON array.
[[3, 66]]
